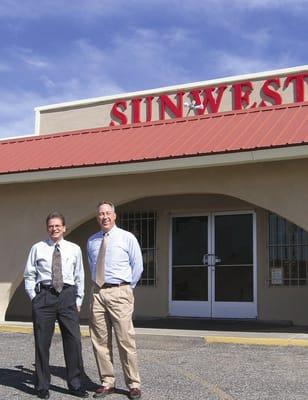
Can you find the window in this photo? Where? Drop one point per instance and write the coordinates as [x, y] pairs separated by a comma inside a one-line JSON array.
[[143, 226], [288, 253]]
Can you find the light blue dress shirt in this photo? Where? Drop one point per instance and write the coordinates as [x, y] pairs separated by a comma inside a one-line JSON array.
[[38, 266], [123, 259]]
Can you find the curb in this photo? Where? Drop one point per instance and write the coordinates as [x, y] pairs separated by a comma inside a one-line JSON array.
[[15, 329], [209, 339], [257, 341], [29, 329]]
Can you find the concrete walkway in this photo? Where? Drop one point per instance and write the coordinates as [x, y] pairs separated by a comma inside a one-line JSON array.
[[219, 331]]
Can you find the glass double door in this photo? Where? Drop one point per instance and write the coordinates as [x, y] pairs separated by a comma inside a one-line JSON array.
[[213, 271]]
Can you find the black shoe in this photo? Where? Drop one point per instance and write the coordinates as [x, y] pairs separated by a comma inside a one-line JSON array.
[[79, 393], [43, 394], [134, 393]]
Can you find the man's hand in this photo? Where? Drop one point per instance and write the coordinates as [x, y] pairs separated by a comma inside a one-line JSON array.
[[78, 308]]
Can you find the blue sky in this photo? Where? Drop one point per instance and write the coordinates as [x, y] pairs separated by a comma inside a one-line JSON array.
[[54, 51]]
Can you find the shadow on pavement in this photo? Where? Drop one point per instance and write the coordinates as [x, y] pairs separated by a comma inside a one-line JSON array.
[[60, 372], [23, 379], [20, 378]]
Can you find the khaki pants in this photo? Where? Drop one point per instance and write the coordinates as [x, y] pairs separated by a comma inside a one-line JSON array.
[[113, 308]]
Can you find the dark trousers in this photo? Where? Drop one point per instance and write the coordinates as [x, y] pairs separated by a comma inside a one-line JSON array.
[[47, 307]]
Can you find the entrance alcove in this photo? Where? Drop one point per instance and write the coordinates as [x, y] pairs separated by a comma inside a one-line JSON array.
[[152, 296]]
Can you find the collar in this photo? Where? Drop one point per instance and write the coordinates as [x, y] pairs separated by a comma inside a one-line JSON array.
[[113, 229], [52, 243]]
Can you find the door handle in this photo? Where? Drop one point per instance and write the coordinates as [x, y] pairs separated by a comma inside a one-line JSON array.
[[205, 259], [210, 259]]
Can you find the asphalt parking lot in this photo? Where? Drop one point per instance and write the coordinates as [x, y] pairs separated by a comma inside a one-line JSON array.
[[171, 367]]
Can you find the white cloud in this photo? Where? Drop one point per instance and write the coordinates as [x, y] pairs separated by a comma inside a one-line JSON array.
[[47, 82], [27, 56], [80, 74], [34, 62], [296, 5], [232, 64], [87, 71], [85, 9], [138, 61], [16, 113], [4, 67], [240, 5], [260, 37], [32, 9], [149, 57]]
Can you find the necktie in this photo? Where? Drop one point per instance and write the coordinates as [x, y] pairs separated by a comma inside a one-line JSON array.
[[100, 263], [56, 270]]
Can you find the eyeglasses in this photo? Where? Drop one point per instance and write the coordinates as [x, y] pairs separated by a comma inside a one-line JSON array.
[[49, 227]]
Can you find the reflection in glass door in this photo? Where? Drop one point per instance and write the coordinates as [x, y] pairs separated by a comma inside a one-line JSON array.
[[233, 274], [213, 266], [189, 276]]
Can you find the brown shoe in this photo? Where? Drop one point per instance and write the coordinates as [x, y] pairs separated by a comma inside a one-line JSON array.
[[103, 391], [134, 393]]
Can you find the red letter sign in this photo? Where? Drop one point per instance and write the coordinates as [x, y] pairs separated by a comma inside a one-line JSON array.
[[136, 110], [208, 99], [269, 92], [118, 114], [167, 104], [241, 92], [299, 81]]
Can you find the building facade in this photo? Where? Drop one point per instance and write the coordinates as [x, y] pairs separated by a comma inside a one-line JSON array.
[[211, 177]]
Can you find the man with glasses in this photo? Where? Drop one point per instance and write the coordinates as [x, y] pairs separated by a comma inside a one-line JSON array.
[[54, 281]]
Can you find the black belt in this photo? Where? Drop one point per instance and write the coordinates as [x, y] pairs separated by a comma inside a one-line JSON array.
[[110, 285], [51, 288], [48, 287]]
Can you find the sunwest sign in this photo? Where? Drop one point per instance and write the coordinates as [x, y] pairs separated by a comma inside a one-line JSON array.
[[202, 98], [241, 96]]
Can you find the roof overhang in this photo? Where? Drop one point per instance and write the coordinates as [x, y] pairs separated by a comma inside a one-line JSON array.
[[162, 165]]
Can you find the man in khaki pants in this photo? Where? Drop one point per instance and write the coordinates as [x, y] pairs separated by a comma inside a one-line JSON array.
[[115, 261]]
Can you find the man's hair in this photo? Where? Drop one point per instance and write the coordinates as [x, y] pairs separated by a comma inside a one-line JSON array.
[[101, 203], [55, 214]]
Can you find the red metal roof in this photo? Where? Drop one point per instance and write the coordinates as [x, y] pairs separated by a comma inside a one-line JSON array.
[[261, 128]]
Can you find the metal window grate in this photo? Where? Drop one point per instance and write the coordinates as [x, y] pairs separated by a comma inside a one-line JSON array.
[[143, 225], [288, 253]]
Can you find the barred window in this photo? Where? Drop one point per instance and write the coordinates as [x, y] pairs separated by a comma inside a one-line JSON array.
[[288, 253], [143, 226]]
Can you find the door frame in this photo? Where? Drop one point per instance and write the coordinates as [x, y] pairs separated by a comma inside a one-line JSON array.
[[236, 309], [184, 308], [205, 309]]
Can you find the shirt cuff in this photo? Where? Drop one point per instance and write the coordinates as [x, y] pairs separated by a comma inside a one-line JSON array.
[[32, 294], [78, 301]]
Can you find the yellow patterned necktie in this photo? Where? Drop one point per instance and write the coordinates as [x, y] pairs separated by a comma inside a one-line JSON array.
[[100, 263]]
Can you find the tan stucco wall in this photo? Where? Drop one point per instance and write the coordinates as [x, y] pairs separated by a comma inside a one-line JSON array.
[[279, 187]]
